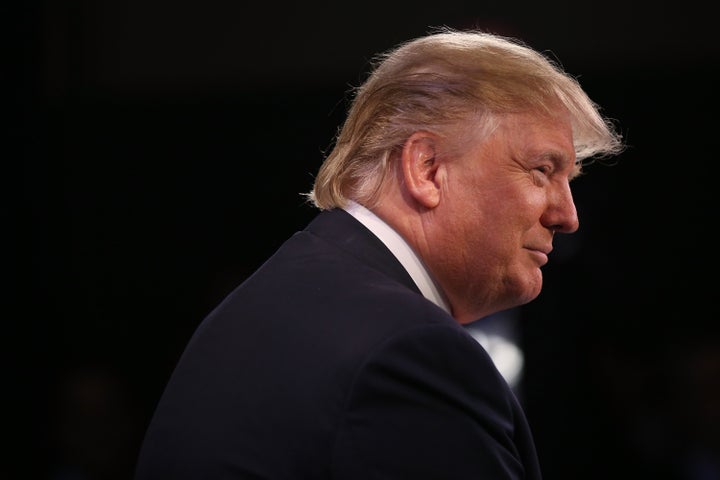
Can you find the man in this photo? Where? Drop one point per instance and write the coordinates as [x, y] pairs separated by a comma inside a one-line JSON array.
[[344, 355]]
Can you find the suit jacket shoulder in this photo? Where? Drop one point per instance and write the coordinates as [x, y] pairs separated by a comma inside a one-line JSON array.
[[317, 363]]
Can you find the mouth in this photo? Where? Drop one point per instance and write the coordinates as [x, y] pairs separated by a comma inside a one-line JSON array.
[[540, 254], [543, 249]]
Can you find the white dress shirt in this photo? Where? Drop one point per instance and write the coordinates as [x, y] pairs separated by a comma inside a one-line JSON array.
[[402, 251]]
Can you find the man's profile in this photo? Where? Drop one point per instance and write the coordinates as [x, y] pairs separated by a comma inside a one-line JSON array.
[[344, 355]]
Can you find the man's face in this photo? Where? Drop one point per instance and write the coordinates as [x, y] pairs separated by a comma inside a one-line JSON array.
[[502, 201]]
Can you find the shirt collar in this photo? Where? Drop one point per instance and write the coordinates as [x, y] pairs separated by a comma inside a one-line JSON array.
[[402, 251]]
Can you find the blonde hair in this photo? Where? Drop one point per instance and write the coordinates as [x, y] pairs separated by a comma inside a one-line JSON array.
[[436, 81]]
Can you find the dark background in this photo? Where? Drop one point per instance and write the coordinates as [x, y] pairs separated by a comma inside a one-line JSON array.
[[156, 152]]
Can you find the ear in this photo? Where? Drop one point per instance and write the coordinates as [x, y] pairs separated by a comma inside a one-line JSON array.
[[420, 167]]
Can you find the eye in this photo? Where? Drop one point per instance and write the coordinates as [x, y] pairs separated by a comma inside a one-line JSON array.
[[541, 174], [544, 169]]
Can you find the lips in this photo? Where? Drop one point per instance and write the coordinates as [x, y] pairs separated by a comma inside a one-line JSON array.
[[545, 250], [540, 253]]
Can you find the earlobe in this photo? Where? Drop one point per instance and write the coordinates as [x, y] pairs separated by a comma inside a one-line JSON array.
[[420, 168]]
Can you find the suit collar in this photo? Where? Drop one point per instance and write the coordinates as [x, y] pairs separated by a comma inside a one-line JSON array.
[[340, 228], [402, 251]]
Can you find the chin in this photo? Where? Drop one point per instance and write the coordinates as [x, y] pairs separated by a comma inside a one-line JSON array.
[[528, 290], [534, 293]]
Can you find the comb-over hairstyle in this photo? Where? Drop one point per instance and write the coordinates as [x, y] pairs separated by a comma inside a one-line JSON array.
[[439, 81]]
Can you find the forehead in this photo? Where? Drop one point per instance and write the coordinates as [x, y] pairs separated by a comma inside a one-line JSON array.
[[538, 136]]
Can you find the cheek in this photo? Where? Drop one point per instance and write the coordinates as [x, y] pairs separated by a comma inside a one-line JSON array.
[[492, 216], [520, 207]]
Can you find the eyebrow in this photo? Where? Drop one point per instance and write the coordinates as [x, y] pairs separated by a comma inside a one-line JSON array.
[[560, 160]]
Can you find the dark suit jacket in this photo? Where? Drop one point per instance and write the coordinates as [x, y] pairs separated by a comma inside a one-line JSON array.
[[328, 363]]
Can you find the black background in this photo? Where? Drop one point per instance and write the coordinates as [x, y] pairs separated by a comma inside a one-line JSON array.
[[156, 152]]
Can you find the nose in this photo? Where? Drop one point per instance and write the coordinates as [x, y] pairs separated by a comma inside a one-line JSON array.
[[561, 214]]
